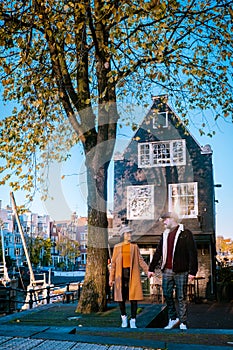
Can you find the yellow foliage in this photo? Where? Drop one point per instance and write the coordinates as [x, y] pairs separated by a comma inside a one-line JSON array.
[[58, 68]]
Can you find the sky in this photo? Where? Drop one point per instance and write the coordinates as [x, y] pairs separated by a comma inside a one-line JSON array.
[[222, 147], [69, 193]]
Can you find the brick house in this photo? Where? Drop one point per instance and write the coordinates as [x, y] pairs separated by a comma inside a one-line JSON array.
[[165, 169]]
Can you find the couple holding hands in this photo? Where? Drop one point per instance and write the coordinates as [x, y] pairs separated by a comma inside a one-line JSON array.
[[178, 255]]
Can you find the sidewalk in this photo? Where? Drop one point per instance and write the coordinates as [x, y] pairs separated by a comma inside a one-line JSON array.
[[57, 326]]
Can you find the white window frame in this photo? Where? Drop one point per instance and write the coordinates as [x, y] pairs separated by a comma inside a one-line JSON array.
[[17, 240], [17, 251], [83, 246], [162, 153], [157, 118], [83, 236], [183, 199], [140, 202]]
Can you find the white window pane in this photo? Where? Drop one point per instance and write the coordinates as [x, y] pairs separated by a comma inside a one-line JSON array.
[[178, 152], [161, 153], [144, 154], [183, 199]]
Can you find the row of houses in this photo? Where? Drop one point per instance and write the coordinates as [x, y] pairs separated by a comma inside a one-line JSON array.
[[34, 225], [162, 169]]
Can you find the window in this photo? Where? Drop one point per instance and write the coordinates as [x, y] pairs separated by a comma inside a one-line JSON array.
[[160, 120], [183, 199], [6, 226], [83, 258], [162, 153], [17, 239], [140, 202], [83, 236], [17, 251]]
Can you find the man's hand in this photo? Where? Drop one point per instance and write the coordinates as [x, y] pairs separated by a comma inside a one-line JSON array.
[[150, 274], [191, 277], [110, 283]]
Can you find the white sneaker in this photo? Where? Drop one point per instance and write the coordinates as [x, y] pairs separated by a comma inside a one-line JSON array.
[[124, 322], [172, 323], [183, 326], [132, 323]]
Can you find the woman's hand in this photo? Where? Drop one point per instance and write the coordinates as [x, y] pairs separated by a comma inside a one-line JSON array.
[[150, 274]]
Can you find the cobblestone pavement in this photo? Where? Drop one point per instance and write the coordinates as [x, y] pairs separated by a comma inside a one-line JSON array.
[[41, 344]]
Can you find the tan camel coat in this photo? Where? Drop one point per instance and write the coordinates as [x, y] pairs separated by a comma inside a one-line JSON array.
[[136, 261]]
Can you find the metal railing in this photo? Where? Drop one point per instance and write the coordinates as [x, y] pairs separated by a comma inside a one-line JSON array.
[[15, 299]]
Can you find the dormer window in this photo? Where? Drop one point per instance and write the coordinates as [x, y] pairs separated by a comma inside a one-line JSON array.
[[160, 120], [162, 153]]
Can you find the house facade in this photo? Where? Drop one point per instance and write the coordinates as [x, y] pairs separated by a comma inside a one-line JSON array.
[[165, 169], [33, 225]]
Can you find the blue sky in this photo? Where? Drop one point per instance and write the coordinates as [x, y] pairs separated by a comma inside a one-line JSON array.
[[222, 146], [70, 193]]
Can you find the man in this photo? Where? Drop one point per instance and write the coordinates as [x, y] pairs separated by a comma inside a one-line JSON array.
[[179, 263]]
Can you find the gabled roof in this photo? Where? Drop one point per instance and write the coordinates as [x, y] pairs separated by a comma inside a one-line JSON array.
[[146, 130]]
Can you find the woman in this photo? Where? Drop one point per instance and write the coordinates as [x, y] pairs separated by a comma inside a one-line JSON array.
[[125, 274]]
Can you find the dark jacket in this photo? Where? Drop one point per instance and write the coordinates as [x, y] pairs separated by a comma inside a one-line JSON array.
[[184, 253]]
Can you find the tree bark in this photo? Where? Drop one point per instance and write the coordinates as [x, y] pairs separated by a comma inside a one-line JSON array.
[[93, 296]]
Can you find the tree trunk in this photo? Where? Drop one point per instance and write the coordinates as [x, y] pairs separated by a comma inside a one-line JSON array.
[[93, 296]]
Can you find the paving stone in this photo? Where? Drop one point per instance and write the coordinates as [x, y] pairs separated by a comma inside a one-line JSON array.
[[55, 344], [41, 344], [120, 347], [3, 339], [20, 344], [85, 346]]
